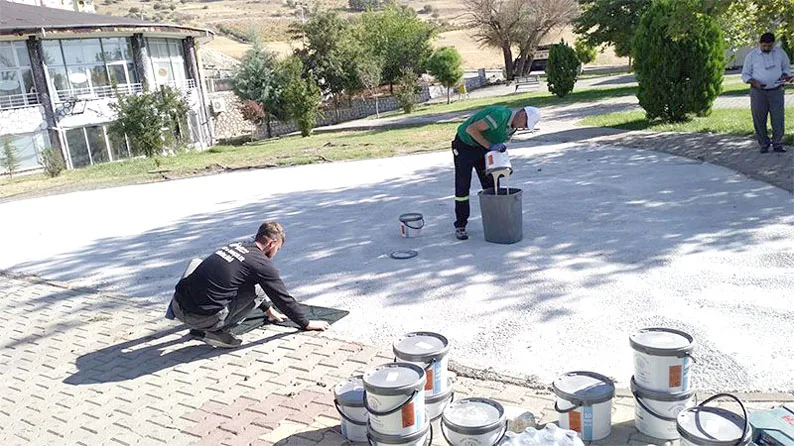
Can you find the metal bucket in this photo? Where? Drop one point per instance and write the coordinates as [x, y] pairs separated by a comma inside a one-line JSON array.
[[429, 351], [662, 359], [502, 215], [655, 413], [395, 398], [411, 224], [712, 426], [584, 402]]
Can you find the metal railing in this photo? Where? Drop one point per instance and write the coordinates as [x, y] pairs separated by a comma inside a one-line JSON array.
[[107, 91], [18, 100], [187, 84]]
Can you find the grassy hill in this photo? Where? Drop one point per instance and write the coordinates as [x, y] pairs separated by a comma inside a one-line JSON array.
[[235, 21]]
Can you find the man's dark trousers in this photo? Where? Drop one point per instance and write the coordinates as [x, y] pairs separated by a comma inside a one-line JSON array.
[[467, 158], [765, 103]]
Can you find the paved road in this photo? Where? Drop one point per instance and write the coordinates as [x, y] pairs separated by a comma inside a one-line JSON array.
[[615, 239]]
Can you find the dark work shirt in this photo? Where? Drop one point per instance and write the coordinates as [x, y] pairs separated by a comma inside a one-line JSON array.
[[234, 269]]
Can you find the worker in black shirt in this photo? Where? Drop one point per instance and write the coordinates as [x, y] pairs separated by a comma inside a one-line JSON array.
[[222, 290]]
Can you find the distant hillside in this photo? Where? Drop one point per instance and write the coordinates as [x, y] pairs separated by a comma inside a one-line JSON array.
[[236, 21]]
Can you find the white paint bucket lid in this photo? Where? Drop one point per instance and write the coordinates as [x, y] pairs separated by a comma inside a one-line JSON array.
[[649, 394], [441, 396], [712, 426], [421, 346], [394, 378], [378, 437], [350, 393], [584, 388], [473, 416], [659, 341]]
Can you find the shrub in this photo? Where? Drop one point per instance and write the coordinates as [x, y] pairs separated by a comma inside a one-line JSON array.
[[562, 69], [407, 89], [158, 6], [678, 74], [585, 52], [172, 7], [135, 10], [445, 66], [53, 162], [10, 158], [427, 9], [300, 95]]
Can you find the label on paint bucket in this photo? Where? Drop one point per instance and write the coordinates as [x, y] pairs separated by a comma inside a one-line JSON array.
[[392, 376], [575, 421], [587, 422], [490, 159], [430, 383], [408, 415], [675, 375], [424, 345]]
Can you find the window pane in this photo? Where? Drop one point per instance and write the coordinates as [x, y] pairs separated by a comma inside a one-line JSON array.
[[73, 51], [117, 74], [7, 55], [99, 76], [9, 83], [133, 75], [96, 143], [27, 80], [58, 77], [126, 48], [22, 54], [158, 48], [25, 150], [77, 148], [175, 48], [52, 53], [92, 51], [162, 72], [112, 49], [78, 77], [118, 146]]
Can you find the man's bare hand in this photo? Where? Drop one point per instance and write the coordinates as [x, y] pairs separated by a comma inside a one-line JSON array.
[[317, 326], [274, 315], [786, 78]]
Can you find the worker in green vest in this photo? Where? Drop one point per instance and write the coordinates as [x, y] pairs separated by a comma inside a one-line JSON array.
[[489, 129]]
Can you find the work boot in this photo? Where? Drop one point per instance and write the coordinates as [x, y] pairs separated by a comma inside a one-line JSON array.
[[765, 149], [198, 334], [222, 339], [461, 234], [779, 149]]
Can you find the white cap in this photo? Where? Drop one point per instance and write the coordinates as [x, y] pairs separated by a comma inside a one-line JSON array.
[[533, 117]]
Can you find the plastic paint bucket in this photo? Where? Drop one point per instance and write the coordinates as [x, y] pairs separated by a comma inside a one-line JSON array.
[[435, 404], [474, 421], [429, 351], [421, 437], [662, 358], [411, 225], [395, 398], [655, 413], [497, 161], [584, 403], [349, 401], [712, 426]]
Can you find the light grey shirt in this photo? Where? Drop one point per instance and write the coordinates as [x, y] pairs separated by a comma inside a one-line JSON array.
[[766, 68]]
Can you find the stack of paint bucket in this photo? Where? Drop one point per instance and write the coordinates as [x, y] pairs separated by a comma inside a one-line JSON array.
[[584, 404], [430, 352], [661, 383]]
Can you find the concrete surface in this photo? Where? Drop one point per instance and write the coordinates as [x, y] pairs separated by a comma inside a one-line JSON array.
[[615, 240]]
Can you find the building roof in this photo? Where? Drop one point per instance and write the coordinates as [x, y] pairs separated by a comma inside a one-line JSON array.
[[20, 19]]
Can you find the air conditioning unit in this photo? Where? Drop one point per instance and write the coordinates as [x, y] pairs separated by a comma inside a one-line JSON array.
[[218, 106]]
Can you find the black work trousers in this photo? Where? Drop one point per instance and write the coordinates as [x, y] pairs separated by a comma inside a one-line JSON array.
[[467, 158]]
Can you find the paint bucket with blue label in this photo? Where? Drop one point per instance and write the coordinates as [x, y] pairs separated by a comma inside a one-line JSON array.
[[662, 359], [395, 399], [429, 351], [584, 403]]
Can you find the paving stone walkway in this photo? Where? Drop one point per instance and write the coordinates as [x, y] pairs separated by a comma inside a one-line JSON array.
[[84, 368]]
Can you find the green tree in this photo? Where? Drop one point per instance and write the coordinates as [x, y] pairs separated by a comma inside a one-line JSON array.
[[53, 162], [152, 121], [300, 95], [10, 159], [329, 53], [611, 22], [256, 80], [399, 38], [585, 52], [446, 66], [370, 69], [562, 69], [407, 89], [679, 72]]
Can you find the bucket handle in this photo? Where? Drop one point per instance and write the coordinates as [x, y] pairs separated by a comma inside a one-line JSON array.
[[744, 411], [428, 365], [391, 411], [557, 408], [422, 225], [650, 411], [501, 437], [347, 418], [371, 442]]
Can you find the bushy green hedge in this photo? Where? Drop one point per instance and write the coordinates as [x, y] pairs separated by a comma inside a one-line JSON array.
[[562, 69]]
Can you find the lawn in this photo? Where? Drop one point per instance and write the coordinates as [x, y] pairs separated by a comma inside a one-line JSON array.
[[288, 151], [730, 121]]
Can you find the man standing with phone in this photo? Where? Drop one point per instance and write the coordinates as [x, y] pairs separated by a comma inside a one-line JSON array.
[[766, 69]]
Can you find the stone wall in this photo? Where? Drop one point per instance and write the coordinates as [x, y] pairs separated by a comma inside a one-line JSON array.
[[17, 121], [229, 123]]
